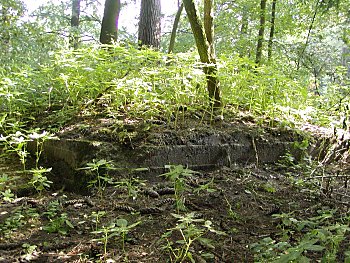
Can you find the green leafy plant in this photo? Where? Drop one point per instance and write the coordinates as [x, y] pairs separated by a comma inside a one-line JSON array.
[[29, 250], [230, 212], [133, 185], [347, 256], [208, 187], [296, 253], [18, 218], [331, 237], [7, 181], [120, 228], [40, 181], [316, 235], [96, 218], [99, 181], [40, 139], [268, 187], [177, 175], [191, 230], [12, 223], [58, 222], [17, 143], [7, 195], [287, 160], [267, 249]]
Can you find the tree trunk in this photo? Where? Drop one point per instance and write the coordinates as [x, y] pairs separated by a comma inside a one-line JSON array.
[[308, 34], [109, 28], [175, 26], [259, 47], [204, 50], [272, 30], [149, 25], [74, 23], [5, 34], [208, 26], [243, 33]]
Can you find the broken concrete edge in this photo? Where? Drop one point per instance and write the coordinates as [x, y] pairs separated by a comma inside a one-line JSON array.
[[66, 156]]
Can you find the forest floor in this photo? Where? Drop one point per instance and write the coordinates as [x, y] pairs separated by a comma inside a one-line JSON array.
[[242, 213]]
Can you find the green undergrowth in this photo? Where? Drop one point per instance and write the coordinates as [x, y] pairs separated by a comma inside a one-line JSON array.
[[123, 82], [303, 240]]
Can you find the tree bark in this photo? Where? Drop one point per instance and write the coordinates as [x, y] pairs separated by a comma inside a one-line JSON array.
[[149, 25], [109, 28], [204, 50], [74, 23], [259, 47], [272, 30], [175, 26], [243, 32], [208, 26], [5, 34]]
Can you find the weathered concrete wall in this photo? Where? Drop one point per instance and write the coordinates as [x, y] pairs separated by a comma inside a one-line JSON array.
[[196, 150]]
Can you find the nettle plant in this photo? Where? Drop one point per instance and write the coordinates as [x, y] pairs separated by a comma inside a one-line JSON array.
[[135, 82], [18, 143], [18, 218], [116, 230], [192, 230], [265, 92], [58, 222], [317, 236], [100, 179], [178, 175], [133, 185], [149, 84]]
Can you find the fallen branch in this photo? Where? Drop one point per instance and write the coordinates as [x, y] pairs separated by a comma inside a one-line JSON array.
[[327, 176]]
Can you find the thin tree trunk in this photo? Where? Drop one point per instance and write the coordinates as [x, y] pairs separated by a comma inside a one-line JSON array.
[[74, 23], [109, 28], [175, 26], [5, 35], [197, 30], [259, 47], [208, 25], [243, 32], [272, 30], [204, 50], [150, 23], [308, 33], [213, 83]]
